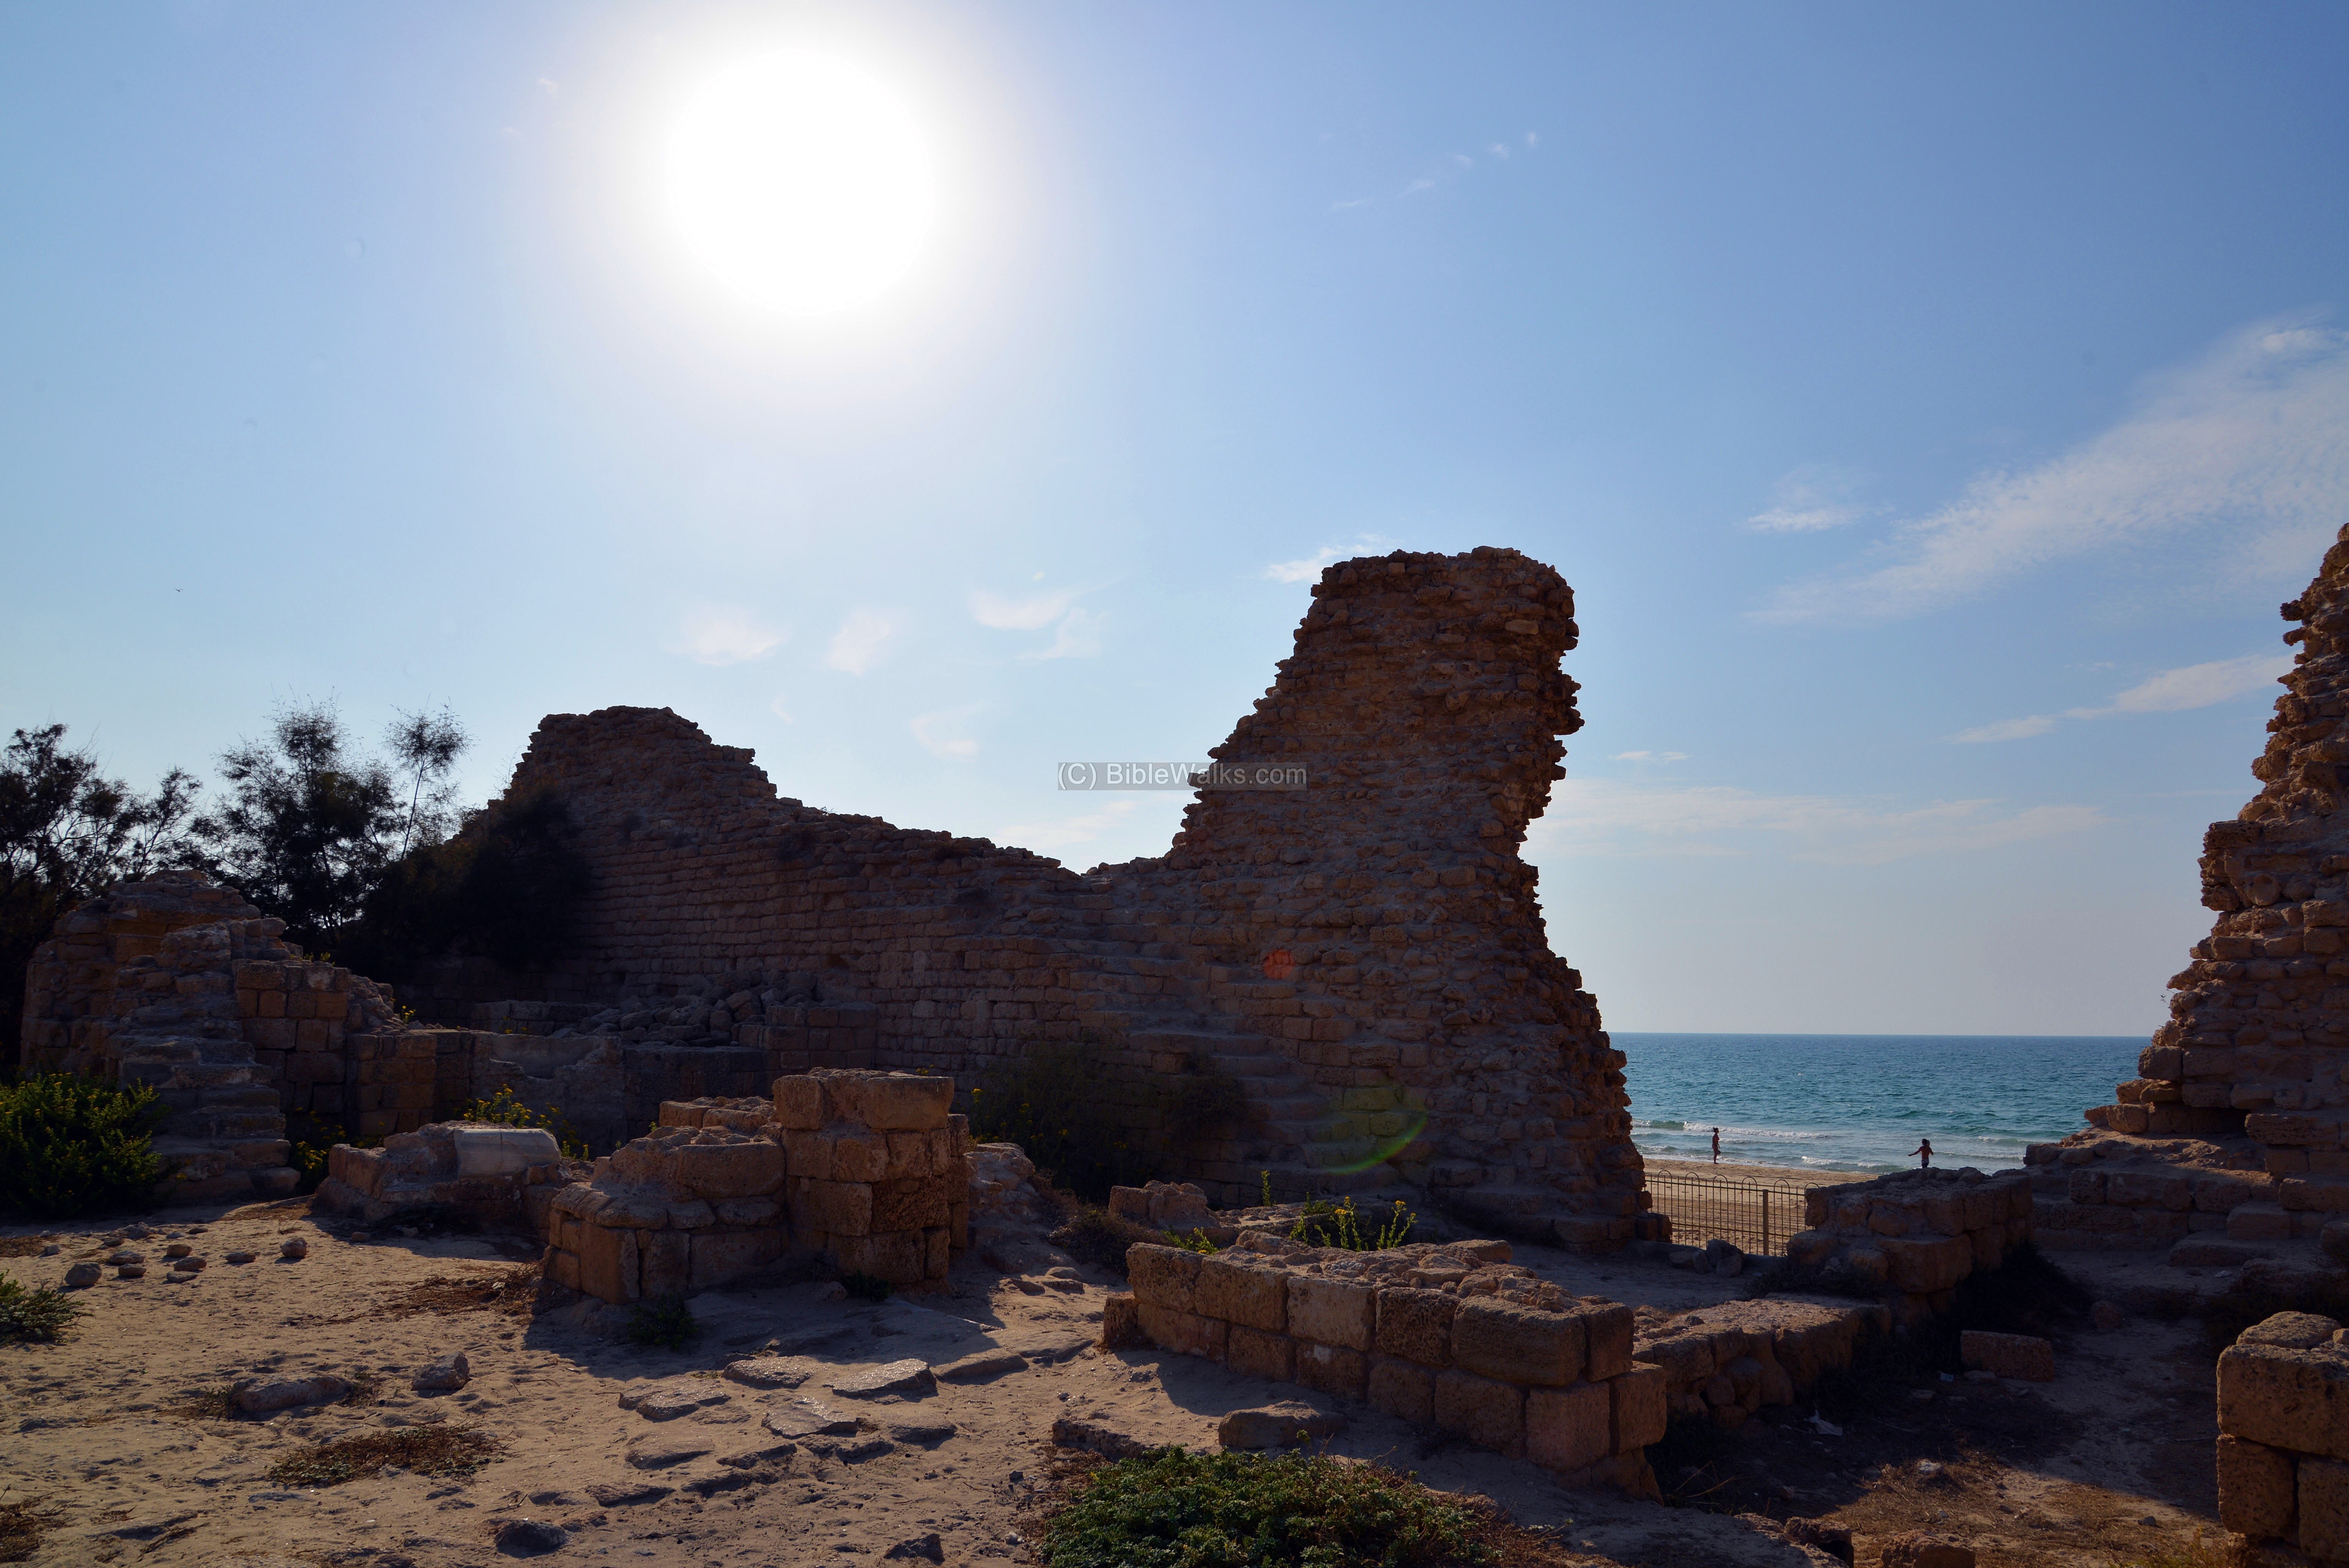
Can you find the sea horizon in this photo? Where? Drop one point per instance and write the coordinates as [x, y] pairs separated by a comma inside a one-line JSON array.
[[1861, 1103]]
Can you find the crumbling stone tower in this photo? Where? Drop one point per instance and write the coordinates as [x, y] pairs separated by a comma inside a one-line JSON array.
[[2258, 1041], [1366, 954]]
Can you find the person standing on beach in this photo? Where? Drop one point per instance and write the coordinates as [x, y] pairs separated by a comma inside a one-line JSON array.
[[1924, 1153], [1716, 1146]]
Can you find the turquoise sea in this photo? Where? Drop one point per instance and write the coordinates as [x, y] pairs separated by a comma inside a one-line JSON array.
[[1860, 1102]]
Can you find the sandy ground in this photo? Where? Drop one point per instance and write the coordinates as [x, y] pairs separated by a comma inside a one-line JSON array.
[[107, 1444], [1773, 1175]]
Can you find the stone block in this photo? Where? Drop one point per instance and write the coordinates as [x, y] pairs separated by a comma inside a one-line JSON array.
[[502, 1151], [747, 1169], [805, 1152], [609, 1267], [2323, 1495], [2285, 1397], [859, 1156], [1162, 1277], [1240, 1293], [1489, 1413], [913, 1204], [1606, 1341], [1641, 1405], [1255, 1353], [909, 1155], [837, 1208], [1403, 1389], [1332, 1369], [719, 1257], [1920, 1267], [667, 1262], [1331, 1311], [1185, 1332], [2256, 1494], [1568, 1427], [1517, 1344], [562, 1267], [2020, 1355], [2258, 1222], [801, 1105], [937, 1253], [901, 1257], [893, 1102], [1416, 1325]]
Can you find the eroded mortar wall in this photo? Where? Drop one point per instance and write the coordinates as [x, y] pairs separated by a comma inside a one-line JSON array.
[[1367, 954]]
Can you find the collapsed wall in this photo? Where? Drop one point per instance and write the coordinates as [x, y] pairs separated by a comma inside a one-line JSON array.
[[1365, 954], [2231, 1135]]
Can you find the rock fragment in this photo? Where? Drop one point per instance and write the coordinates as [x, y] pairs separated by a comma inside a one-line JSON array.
[[294, 1247], [1276, 1425], [81, 1276], [907, 1378], [443, 1374], [260, 1396], [529, 1537]]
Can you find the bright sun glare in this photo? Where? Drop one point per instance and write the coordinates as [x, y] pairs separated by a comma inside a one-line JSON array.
[[803, 185]]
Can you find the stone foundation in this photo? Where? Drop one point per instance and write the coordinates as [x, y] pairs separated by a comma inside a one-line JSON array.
[[1724, 1363], [867, 1173], [1914, 1233], [1450, 1335]]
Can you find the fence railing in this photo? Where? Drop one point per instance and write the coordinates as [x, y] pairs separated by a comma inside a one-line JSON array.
[[1755, 1216]]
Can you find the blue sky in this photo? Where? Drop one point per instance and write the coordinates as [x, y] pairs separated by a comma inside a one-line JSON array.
[[1928, 404]]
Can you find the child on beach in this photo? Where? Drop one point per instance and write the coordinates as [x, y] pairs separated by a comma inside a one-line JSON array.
[[1924, 1153], [1716, 1146]]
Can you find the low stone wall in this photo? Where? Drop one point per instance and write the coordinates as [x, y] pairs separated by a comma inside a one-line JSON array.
[[1446, 1335], [865, 1171], [488, 1171], [1724, 1363], [2284, 1435], [681, 1210], [880, 1170], [2103, 1193], [1914, 1233]]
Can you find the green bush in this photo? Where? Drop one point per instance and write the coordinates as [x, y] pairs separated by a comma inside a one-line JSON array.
[[71, 1146], [665, 1322], [34, 1314], [1094, 1236], [1177, 1510], [1322, 1225], [504, 1110]]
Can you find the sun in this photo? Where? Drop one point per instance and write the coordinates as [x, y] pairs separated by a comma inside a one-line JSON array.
[[801, 184]]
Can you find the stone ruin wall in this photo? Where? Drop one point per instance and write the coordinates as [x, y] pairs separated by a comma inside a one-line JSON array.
[[2231, 1135], [1366, 954]]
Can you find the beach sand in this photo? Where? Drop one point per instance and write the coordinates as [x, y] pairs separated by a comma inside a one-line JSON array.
[[1773, 1175]]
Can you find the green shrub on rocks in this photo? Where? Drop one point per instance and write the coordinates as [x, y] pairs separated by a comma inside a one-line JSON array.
[[71, 1146], [665, 1322], [1177, 1510]]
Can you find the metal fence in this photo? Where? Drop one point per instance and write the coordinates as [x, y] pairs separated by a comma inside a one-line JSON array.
[[1756, 1216]]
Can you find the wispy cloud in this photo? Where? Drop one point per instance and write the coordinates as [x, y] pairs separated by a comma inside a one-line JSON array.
[[777, 709], [1603, 816], [1650, 757], [1069, 831], [1308, 568], [1078, 637], [2252, 439], [1006, 614], [2171, 691], [726, 635], [861, 641], [1808, 499], [947, 733]]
